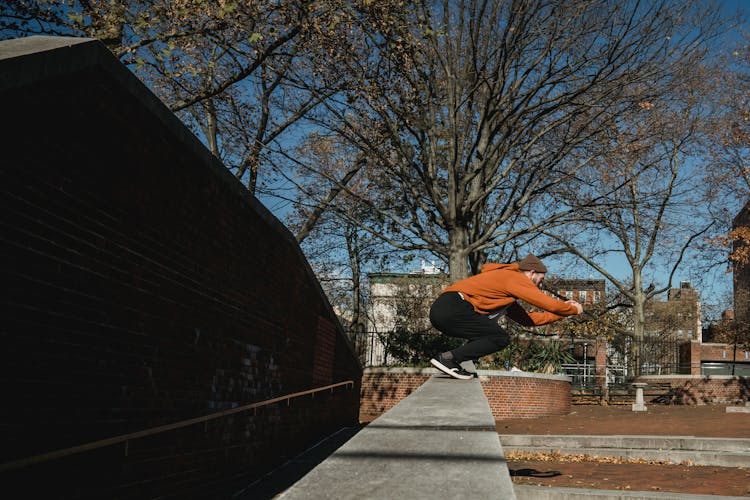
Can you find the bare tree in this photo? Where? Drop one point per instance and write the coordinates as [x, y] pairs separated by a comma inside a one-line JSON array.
[[229, 69], [340, 251], [642, 199], [487, 106]]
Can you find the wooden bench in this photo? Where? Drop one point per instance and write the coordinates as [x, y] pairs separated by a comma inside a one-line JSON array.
[[661, 393]]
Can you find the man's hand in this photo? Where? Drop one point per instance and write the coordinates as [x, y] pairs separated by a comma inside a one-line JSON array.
[[577, 305]]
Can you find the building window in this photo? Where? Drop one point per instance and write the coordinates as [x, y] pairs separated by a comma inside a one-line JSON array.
[[582, 295], [569, 294], [596, 296], [679, 333]]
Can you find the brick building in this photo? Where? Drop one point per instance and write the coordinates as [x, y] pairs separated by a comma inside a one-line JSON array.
[[678, 318], [400, 300], [586, 291]]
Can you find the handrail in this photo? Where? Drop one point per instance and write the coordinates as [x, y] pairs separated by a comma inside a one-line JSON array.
[[43, 457]]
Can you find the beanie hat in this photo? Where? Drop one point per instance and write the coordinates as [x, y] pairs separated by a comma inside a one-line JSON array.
[[531, 263]]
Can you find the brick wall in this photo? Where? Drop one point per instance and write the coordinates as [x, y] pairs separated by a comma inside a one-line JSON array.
[[694, 353], [600, 363], [723, 352], [702, 390], [526, 395], [143, 286], [509, 395], [696, 356], [383, 388]]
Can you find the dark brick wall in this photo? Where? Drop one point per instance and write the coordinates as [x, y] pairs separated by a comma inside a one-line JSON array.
[[143, 286]]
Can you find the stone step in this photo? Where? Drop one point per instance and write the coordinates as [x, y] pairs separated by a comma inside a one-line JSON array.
[[526, 492], [722, 452]]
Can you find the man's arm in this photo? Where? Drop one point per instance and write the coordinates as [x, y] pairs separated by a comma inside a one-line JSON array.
[[534, 318], [555, 309], [528, 292]]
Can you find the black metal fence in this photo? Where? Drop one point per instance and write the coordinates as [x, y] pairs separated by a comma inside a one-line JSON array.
[[626, 357], [399, 347]]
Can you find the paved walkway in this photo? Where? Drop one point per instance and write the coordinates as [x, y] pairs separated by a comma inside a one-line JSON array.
[[440, 442]]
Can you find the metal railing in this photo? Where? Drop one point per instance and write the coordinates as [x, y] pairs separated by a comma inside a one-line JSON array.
[[582, 375], [125, 438]]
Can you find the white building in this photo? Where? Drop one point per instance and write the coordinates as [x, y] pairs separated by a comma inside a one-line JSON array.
[[400, 300]]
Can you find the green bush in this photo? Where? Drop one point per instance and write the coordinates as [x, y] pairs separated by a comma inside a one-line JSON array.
[[416, 348], [545, 357]]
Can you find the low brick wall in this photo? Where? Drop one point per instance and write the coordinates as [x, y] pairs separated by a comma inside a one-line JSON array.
[[703, 390], [510, 394], [525, 395], [382, 388]]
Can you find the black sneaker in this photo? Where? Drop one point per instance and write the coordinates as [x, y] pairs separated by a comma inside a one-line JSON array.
[[450, 367]]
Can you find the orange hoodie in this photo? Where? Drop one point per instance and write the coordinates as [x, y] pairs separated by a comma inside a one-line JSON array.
[[499, 285]]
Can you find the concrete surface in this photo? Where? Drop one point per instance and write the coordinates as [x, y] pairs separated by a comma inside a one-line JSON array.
[[440, 442], [739, 409]]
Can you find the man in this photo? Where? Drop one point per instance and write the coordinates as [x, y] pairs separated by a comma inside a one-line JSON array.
[[469, 309]]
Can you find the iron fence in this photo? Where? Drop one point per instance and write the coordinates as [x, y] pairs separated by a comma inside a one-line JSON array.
[[626, 358]]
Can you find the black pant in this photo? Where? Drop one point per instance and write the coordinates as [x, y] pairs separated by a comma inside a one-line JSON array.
[[455, 317]]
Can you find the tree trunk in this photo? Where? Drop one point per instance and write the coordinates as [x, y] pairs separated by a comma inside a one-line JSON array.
[[212, 128], [458, 257], [352, 247], [639, 319], [639, 301]]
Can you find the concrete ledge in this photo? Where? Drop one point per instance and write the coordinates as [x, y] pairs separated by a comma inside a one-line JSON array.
[[400, 369], [739, 409], [504, 373], [439, 442]]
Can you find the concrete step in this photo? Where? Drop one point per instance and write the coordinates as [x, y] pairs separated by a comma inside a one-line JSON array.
[[722, 452], [629, 441], [524, 492]]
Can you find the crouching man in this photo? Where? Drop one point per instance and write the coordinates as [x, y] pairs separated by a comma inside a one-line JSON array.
[[469, 309]]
